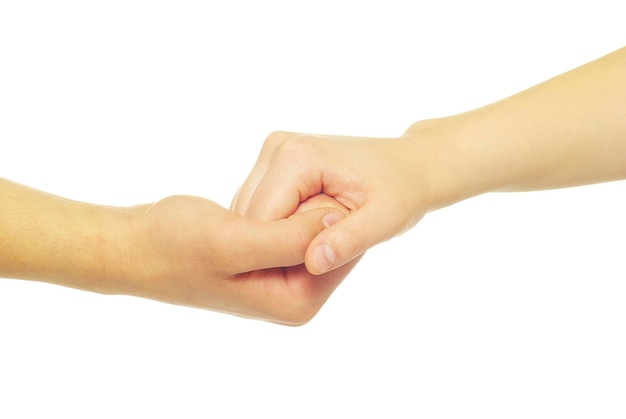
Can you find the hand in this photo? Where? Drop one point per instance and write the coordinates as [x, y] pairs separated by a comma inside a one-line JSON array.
[[375, 179], [181, 250], [202, 255]]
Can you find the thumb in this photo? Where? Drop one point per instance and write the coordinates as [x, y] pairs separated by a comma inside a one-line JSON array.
[[282, 243], [351, 237]]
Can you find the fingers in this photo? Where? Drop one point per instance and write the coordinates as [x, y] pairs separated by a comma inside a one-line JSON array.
[[242, 198], [279, 243], [288, 172], [351, 236], [281, 189], [359, 173]]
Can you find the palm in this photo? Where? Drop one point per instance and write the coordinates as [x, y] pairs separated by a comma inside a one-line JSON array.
[[206, 247]]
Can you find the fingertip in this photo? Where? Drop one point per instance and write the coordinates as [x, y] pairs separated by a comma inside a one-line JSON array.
[[322, 257], [342, 240], [331, 218]]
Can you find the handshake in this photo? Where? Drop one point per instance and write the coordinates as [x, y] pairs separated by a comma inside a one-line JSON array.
[[313, 204], [310, 208]]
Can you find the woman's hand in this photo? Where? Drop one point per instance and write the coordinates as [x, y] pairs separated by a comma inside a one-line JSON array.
[[380, 181], [567, 131]]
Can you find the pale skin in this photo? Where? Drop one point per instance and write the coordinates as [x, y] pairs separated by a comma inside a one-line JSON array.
[[567, 131], [182, 250], [319, 199]]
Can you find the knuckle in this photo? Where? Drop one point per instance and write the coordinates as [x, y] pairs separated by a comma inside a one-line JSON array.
[[296, 146], [275, 139], [288, 148], [302, 239]]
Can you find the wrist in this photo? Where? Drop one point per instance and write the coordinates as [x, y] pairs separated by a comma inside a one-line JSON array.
[[133, 258], [449, 165], [115, 256], [113, 262]]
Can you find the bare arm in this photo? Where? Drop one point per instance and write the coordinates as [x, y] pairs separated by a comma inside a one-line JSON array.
[[570, 130], [567, 131], [48, 238], [182, 250]]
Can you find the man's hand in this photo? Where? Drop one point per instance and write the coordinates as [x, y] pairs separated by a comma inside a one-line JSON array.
[[206, 256], [181, 250]]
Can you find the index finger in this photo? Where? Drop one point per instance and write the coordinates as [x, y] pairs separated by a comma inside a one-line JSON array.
[[241, 201]]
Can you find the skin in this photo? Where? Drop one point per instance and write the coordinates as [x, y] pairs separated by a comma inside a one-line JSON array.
[[319, 199], [182, 250], [567, 131]]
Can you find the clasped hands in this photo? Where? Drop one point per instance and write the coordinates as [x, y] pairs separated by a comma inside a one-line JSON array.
[[309, 209], [313, 204]]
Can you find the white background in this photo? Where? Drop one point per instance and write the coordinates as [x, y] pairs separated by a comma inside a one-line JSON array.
[[503, 306]]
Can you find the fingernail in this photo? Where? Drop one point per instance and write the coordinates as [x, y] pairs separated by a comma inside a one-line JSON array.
[[330, 219], [323, 257]]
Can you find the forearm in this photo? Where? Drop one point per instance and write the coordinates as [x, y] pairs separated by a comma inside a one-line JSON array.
[[568, 131], [182, 250], [51, 239]]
